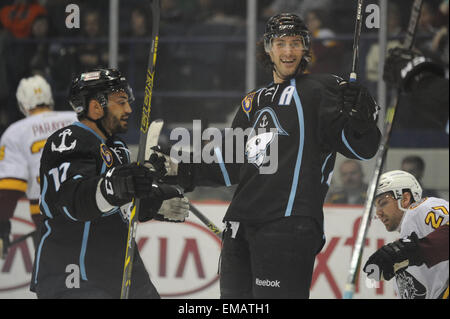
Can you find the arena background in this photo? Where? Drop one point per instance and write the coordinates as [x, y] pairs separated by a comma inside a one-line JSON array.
[[205, 65]]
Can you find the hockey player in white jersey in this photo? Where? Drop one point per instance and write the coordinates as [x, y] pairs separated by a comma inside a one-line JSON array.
[[21, 147], [400, 207]]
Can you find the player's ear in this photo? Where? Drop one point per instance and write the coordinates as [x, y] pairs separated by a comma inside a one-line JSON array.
[[406, 199], [95, 110]]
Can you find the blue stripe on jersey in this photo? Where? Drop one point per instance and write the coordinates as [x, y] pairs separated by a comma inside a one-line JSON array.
[[323, 167], [298, 164], [226, 177], [43, 202], [68, 214], [87, 225], [90, 130], [39, 251], [350, 148]]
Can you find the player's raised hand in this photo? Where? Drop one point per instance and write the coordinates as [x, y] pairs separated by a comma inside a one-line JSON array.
[[122, 183], [356, 103], [404, 67]]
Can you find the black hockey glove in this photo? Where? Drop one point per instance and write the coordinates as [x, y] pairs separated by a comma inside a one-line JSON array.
[[387, 260], [122, 183], [152, 205], [5, 232], [178, 173], [404, 68], [357, 104], [157, 165]]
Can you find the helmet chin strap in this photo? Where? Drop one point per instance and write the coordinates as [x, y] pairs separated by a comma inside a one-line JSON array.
[[399, 204]]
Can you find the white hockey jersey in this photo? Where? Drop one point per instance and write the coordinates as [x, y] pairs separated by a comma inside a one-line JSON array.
[[421, 282], [21, 147]]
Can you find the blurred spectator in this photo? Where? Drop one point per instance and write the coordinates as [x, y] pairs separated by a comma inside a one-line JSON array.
[[394, 26], [295, 6], [92, 53], [416, 166], [18, 17], [39, 62], [428, 26], [326, 53], [135, 54], [353, 189], [225, 13], [439, 44], [170, 11]]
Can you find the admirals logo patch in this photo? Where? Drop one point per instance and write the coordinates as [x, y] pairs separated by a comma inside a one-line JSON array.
[[264, 132], [106, 155], [247, 102]]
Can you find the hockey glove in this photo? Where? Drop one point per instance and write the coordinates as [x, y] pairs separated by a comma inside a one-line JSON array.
[[5, 232], [357, 104], [178, 173], [174, 210], [157, 165], [152, 205], [404, 68], [122, 183], [387, 260]]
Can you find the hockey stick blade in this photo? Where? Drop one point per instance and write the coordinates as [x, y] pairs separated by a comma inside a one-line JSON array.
[[153, 136]]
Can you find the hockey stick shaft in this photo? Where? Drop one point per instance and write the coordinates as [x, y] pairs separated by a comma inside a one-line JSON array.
[[145, 122], [382, 154], [211, 226], [356, 37]]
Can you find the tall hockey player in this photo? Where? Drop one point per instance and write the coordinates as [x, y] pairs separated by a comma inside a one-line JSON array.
[[87, 184], [400, 208], [21, 148], [275, 220]]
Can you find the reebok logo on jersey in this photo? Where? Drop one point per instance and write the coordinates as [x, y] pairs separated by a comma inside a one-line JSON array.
[[268, 283]]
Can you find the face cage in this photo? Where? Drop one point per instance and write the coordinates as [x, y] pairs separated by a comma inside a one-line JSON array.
[[304, 36]]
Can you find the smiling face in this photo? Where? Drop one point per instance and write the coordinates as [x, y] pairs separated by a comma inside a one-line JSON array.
[[286, 54], [118, 114]]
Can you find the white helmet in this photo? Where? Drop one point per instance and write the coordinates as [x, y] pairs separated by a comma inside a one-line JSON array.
[[33, 91], [397, 181]]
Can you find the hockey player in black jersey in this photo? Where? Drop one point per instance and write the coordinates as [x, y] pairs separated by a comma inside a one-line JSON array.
[[275, 220], [87, 185]]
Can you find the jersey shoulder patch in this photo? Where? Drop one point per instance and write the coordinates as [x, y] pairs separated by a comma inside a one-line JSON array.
[[247, 102]]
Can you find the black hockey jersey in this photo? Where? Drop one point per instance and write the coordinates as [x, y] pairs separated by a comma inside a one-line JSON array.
[[75, 232], [302, 119]]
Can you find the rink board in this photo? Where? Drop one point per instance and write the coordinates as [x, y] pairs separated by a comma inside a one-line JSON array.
[[182, 258]]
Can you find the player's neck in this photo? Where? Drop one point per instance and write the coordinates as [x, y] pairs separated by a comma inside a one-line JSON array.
[[92, 125], [39, 110]]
